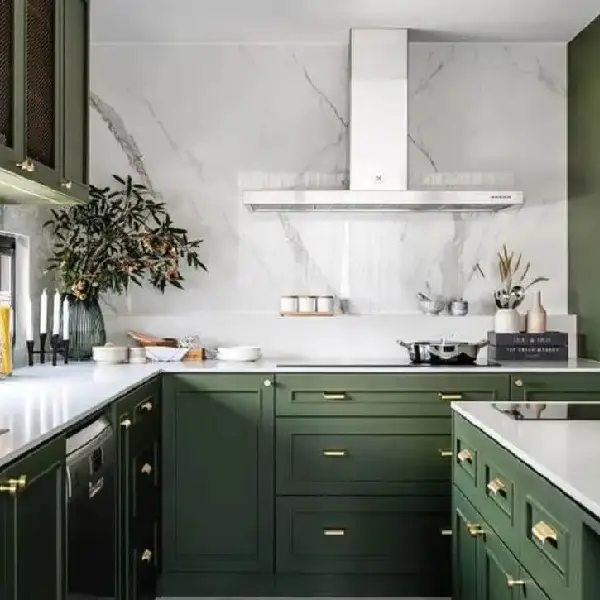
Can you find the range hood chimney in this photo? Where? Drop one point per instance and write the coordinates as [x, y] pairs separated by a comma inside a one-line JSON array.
[[379, 144]]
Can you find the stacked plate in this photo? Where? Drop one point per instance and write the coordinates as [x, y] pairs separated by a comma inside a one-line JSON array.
[[239, 353]]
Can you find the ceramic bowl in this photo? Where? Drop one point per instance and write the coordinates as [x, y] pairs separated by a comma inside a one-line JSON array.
[[239, 353], [163, 354], [110, 355]]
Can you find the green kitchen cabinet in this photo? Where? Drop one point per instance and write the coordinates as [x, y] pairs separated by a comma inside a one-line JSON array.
[[44, 84], [382, 394], [218, 495], [465, 529], [555, 387], [137, 416], [32, 538], [590, 568]]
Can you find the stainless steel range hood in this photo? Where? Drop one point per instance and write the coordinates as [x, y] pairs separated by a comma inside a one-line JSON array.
[[379, 144]]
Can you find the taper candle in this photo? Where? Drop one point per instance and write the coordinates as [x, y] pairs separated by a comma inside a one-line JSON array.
[[43, 312], [65, 335], [28, 321], [56, 314]]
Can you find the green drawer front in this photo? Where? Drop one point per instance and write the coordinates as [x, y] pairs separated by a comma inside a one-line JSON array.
[[550, 538], [364, 535], [555, 387], [499, 494], [363, 456], [382, 394], [466, 443]]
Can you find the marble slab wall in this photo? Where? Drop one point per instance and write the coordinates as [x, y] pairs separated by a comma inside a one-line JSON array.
[[199, 123]]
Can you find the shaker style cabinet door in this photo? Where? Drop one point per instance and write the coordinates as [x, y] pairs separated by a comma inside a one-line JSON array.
[[32, 526], [464, 547], [12, 98]]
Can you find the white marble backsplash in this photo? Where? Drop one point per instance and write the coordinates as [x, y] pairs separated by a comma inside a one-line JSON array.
[[199, 123]]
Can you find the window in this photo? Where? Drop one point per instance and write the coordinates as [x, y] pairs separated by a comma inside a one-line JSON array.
[[8, 275]]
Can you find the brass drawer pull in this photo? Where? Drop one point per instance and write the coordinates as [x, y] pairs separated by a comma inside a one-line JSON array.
[[446, 532], [126, 423], [519, 382], [146, 469], [147, 406], [331, 396], [511, 582], [543, 532], [497, 485], [445, 453], [334, 532], [12, 486], [450, 397], [335, 453], [474, 529], [465, 455]]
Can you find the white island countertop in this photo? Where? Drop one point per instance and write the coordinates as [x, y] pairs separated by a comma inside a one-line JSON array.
[[566, 453], [39, 402]]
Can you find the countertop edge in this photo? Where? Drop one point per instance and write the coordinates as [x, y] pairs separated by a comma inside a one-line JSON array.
[[564, 486]]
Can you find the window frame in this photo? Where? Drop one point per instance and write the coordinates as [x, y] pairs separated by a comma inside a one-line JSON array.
[[8, 247]]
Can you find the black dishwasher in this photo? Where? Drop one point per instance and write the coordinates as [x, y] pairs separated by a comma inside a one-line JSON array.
[[90, 497]]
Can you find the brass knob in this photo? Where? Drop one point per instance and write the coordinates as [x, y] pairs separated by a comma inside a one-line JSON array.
[[445, 453], [519, 382], [126, 423], [20, 481], [267, 383], [147, 406], [29, 165], [67, 185], [474, 529], [146, 469], [146, 555], [446, 532], [511, 582]]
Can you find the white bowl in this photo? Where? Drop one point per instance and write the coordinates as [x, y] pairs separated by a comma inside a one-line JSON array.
[[163, 354], [110, 355], [239, 353]]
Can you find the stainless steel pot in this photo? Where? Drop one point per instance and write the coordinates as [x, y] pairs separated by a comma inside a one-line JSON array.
[[442, 352]]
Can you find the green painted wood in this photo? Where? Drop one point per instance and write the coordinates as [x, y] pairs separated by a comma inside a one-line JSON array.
[[310, 394], [218, 473], [464, 548], [555, 387], [362, 456], [32, 560], [75, 115], [584, 185], [465, 456], [553, 564], [386, 535], [496, 565], [531, 590], [590, 566]]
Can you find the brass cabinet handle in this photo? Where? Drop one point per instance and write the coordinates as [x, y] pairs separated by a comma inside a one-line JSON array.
[[496, 485], [67, 184], [519, 382], [465, 455], [267, 383], [29, 165], [331, 396], [474, 529], [445, 453], [22, 164], [511, 582], [543, 532], [335, 453], [334, 532], [146, 469], [146, 555], [12, 486], [126, 423], [450, 397], [446, 532], [147, 406]]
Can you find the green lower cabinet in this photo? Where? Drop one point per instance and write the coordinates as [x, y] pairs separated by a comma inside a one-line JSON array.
[[555, 387], [464, 548], [217, 440], [32, 527]]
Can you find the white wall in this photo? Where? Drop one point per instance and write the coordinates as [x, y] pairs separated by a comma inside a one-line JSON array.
[[198, 123]]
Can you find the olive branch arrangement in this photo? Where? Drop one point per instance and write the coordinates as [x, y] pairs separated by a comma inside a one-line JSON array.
[[121, 236]]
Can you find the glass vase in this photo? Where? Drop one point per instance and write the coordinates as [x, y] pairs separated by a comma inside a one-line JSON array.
[[86, 328]]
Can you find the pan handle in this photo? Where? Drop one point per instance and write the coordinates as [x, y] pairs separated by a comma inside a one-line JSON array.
[[404, 344]]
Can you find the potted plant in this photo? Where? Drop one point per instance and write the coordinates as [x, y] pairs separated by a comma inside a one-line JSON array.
[[123, 235], [514, 283]]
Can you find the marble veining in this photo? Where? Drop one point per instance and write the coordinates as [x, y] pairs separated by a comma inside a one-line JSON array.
[[566, 462], [199, 123]]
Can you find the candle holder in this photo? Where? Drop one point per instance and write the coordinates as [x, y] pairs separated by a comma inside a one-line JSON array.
[[58, 344], [31, 350]]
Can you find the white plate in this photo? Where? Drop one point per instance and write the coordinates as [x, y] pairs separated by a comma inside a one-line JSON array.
[[239, 353], [163, 354]]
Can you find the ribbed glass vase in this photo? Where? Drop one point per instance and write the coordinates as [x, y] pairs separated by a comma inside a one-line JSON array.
[[86, 328]]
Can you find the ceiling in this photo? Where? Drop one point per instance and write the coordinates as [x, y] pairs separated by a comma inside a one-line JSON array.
[[328, 21]]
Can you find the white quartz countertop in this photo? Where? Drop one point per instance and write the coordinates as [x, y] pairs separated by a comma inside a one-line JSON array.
[[39, 402], [566, 453]]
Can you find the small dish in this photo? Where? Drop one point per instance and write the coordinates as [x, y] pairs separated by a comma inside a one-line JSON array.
[[110, 355], [163, 354], [239, 353]]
